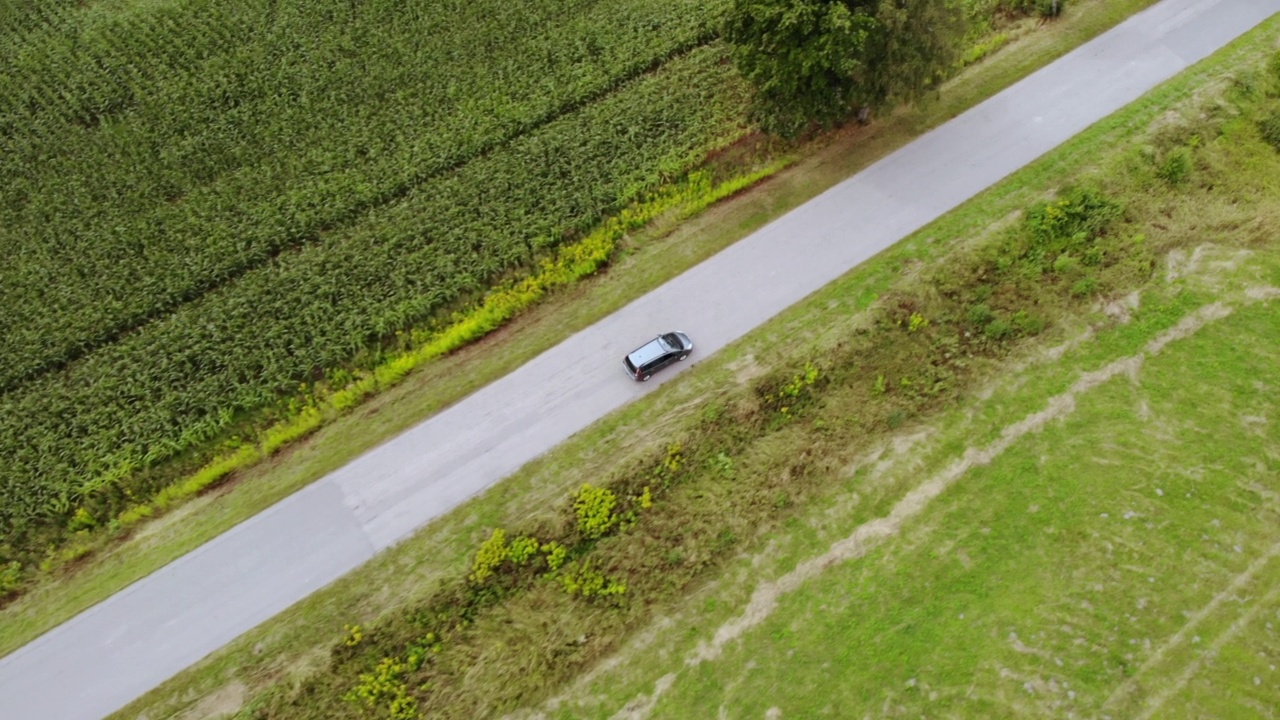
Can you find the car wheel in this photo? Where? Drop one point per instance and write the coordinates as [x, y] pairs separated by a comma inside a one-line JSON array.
[[685, 355], [644, 377]]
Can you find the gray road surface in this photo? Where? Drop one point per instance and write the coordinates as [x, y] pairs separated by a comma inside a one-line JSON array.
[[112, 653]]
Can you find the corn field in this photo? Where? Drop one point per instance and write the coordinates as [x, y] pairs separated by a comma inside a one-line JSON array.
[[206, 202]]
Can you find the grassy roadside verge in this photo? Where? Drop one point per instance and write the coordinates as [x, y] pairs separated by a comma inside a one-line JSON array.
[[191, 524], [1119, 559], [444, 550], [1108, 547], [742, 466]]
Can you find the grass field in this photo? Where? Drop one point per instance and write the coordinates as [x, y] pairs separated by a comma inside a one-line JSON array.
[[1091, 534], [1038, 489], [1110, 549], [646, 259]]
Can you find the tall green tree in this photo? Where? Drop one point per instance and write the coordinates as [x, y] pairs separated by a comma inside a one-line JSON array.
[[818, 61]]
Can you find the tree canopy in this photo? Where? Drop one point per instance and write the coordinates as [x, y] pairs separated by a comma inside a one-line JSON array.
[[816, 61]]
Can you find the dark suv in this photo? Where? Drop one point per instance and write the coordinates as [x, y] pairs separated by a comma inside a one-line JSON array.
[[656, 354]]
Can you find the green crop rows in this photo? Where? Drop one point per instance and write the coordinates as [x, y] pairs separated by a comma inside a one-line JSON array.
[[155, 155], [207, 202]]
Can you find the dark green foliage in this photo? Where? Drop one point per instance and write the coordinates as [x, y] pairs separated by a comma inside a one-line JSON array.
[[1006, 290], [997, 329], [980, 314], [801, 58], [788, 392], [1269, 126], [155, 155], [1069, 223], [1043, 8], [1176, 167], [362, 191], [10, 578], [1027, 323], [815, 61]]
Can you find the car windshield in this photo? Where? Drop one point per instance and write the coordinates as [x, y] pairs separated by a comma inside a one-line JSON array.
[[670, 341]]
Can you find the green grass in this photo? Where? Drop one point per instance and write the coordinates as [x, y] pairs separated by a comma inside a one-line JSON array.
[[199, 139], [655, 256], [781, 461], [333, 201], [117, 424], [717, 600], [1121, 561], [1063, 567], [1101, 541]]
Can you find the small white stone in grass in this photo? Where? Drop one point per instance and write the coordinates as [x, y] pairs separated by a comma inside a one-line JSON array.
[[1130, 514], [911, 682], [1257, 680], [1104, 515], [1029, 688], [1057, 661], [1195, 639], [1159, 492], [1236, 548], [1071, 694], [961, 616]]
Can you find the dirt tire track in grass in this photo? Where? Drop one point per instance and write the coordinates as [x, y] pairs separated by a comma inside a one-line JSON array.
[[1131, 685], [764, 600], [1156, 703]]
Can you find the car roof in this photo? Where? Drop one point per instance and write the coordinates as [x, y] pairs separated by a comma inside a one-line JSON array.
[[651, 350]]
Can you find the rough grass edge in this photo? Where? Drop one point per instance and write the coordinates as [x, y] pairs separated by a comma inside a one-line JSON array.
[[570, 263]]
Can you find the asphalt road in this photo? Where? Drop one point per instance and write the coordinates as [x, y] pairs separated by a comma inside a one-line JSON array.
[[105, 657]]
